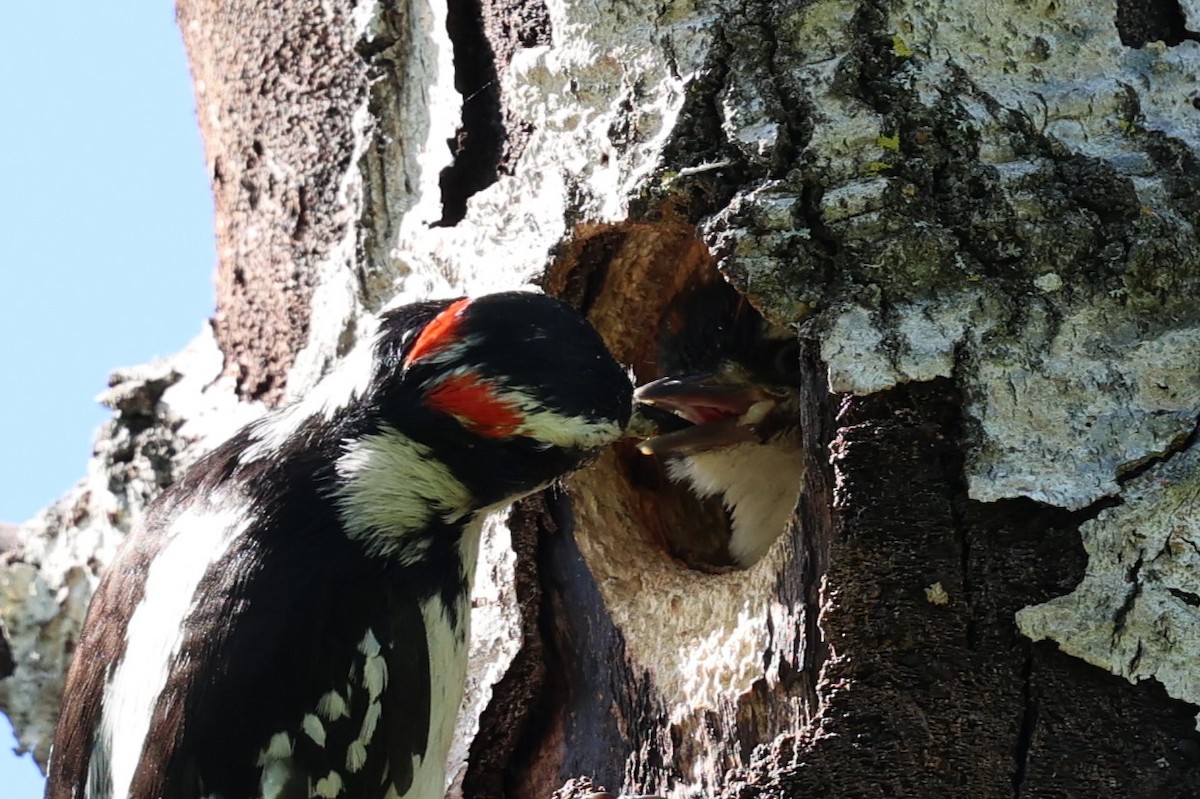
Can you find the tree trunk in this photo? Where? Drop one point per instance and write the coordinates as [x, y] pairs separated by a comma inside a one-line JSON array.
[[980, 219]]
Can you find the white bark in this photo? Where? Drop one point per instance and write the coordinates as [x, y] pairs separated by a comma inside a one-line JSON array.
[[1135, 611]]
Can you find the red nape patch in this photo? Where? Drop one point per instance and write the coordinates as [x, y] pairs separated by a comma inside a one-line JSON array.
[[472, 401], [441, 331]]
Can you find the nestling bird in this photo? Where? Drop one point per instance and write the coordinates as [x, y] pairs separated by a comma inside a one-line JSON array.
[[735, 379], [291, 620]]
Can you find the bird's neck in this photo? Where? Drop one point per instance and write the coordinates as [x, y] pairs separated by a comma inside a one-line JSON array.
[[759, 485], [392, 491]]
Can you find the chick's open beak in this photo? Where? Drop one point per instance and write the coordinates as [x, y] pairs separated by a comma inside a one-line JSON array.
[[722, 412]]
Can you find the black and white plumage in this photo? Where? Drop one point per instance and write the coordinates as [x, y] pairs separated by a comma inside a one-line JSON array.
[[735, 379], [291, 620]]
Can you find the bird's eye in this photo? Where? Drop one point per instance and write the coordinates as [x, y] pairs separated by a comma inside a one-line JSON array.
[[786, 362]]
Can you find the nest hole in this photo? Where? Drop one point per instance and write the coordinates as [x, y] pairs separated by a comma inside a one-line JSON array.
[[626, 278]]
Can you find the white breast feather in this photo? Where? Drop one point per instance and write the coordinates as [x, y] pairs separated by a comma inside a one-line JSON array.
[[448, 646], [759, 485]]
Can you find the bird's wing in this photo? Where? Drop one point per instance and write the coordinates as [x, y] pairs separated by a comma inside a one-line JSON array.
[[318, 690], [286, 670], [100, 645]]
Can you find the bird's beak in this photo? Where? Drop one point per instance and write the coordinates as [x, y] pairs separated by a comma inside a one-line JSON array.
[[721, 412]]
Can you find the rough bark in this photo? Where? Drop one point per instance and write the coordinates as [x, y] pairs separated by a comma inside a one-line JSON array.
[[276, 92], [981, 220]]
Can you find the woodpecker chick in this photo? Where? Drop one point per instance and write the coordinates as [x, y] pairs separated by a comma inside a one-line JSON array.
[[734, 379], [291, 619]]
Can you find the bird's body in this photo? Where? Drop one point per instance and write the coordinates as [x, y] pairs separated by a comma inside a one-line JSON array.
[[291, 620], [735, 379]]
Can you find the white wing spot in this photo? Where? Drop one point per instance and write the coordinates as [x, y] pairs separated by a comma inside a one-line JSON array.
[[375, 676], [356, 757], [279, 747], [375, 672], [314, 729], [370, 720], [332, 706], [328, 786], [369, 645], [275, 778]]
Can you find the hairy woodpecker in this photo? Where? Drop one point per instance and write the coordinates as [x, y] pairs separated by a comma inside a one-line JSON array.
[[734, 378], [291, 620]]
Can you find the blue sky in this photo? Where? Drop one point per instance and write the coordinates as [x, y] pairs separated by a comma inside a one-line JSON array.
[[106, 247]]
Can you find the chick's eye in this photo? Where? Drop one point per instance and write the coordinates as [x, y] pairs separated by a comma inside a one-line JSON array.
[[786, 362]]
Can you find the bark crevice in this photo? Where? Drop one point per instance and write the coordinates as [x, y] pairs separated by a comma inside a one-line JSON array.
[[1026, 726], [479, 142]]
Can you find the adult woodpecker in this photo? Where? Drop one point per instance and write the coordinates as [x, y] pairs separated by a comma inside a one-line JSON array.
[[291, 619], [735, 379]]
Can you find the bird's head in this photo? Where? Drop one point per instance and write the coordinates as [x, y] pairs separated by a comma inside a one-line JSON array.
[[730, 377], [510, 390], [727, 418]]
